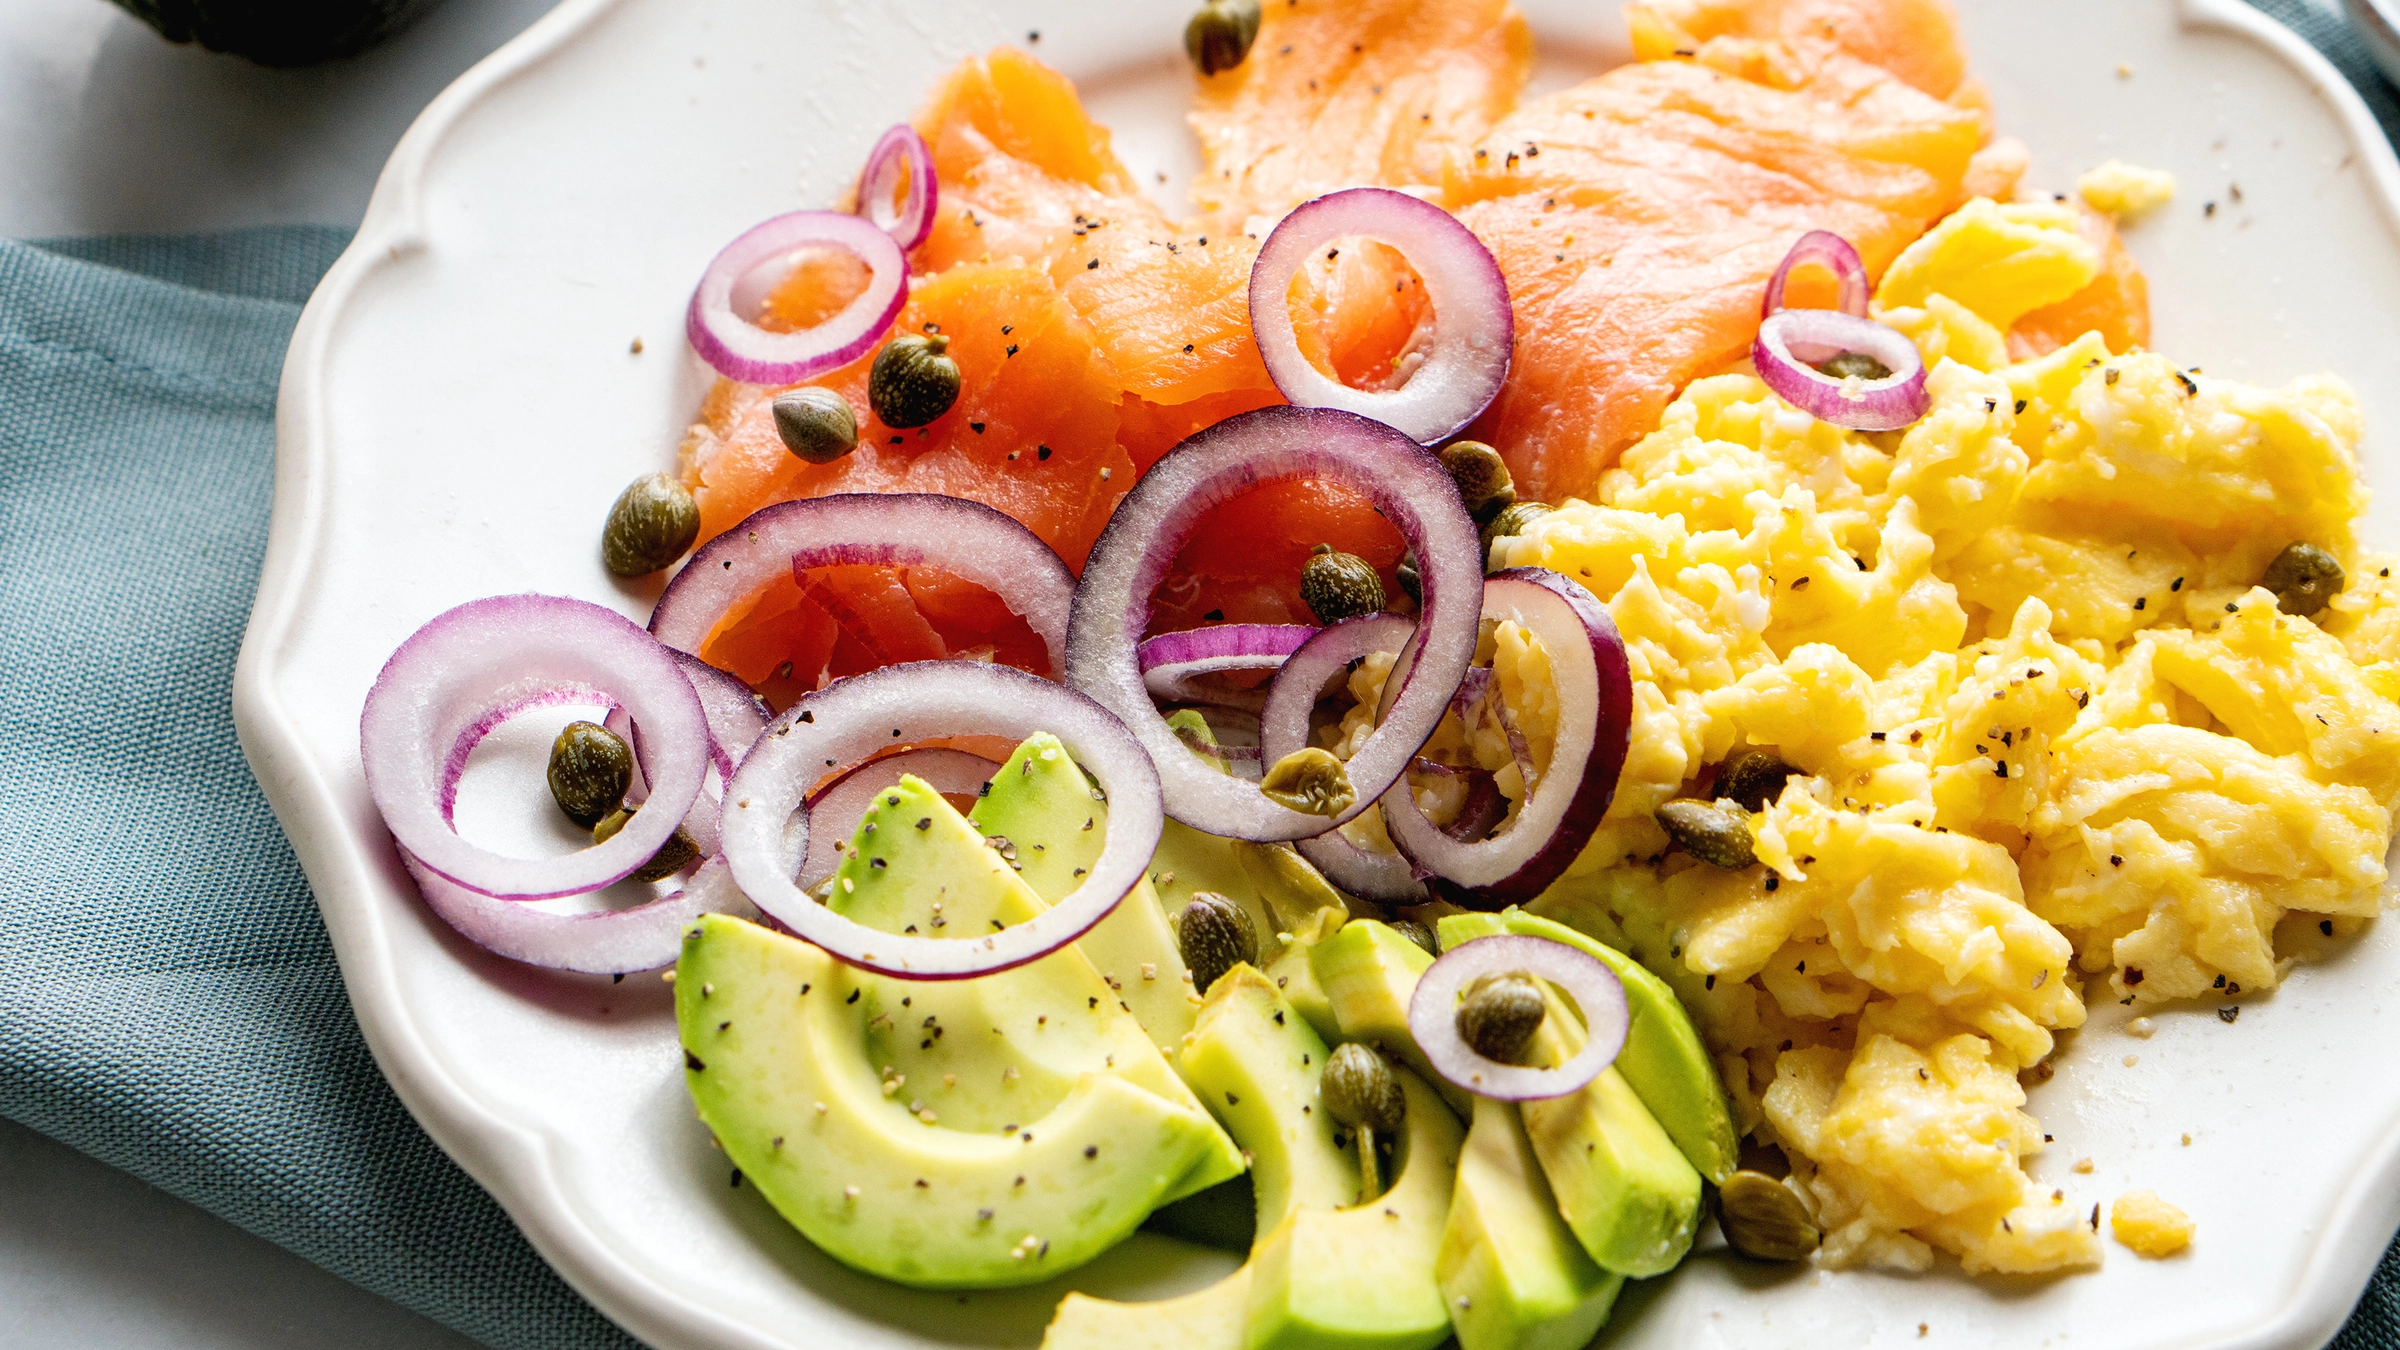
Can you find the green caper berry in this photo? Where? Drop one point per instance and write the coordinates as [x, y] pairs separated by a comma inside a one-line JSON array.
[[1763, 1220], [816, 424], [1499, 1015], [1715, 836], [913, 381], [590, 771], [653, 522], [1512, 520], [1214, 935], [1360, 1091], [1847, 364], [1484, 484], [1406, 575], [1753, 775], [1337, 586], [2303, 577], [679, 852], [1416, 933], [1310, 781], [1220, 33]]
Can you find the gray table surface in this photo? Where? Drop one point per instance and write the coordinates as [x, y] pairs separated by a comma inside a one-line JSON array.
[[104, 129]]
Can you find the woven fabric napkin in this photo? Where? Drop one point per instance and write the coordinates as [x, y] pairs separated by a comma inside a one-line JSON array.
[[168, 997]]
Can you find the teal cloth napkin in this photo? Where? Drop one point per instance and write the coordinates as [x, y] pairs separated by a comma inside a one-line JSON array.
[[168, 997]]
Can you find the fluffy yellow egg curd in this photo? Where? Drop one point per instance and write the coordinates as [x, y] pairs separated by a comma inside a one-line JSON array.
[[2055, 743]]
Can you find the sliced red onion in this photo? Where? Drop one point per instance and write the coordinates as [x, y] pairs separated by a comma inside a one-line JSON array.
[[739, 279], [1112, 606], [1386, 878], [835, 810], [896, 529], [851, 719], [1793, 343], [912, 220], [1831, 252], [1474, 330], [604, 942], [438, 694], [1433, 1015], [1176, 666], [735, 717], [1559, 813]]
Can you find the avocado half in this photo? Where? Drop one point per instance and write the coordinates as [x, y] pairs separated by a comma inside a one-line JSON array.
[[278, 32]]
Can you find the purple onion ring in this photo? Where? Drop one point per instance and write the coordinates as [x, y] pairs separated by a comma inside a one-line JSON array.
[[436, 697], [1386, 878], [1433, 1015], [1474, 333], [835, 810], [896, 529], [766, 827], [605, 942], [1176, 666], [1793, 342], [912, 220], [1831, 252], [1112, 606], [718, 324]]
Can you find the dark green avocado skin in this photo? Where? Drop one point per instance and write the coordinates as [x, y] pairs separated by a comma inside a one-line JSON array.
[[278, 32]]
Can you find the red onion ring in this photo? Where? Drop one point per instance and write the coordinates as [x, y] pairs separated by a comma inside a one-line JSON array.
[[1792, 342], [1386, 878], [1595, 697], [735, 717], [1474, 334], [766, 828], [717, 322], [439, 693], [912, 220], [605, 942], [1112, 606], [1175, 666], [1831, 252], [889, 529], [1598, 995], [835, 810]]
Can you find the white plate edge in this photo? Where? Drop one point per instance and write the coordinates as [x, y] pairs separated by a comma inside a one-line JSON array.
[[513, 1161]]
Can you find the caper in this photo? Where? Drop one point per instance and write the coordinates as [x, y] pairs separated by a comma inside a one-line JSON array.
[[815, 423], [1753, 775], [2303, 578], [1847, 364], [1311, 781], [1214, 935], [1416, 933], [1511, 520], [652, 523], [1762, 1219], [1715, 836], [590, 771], [1337, 586], [1220, 33], [1406, 575], [673, 856], [1360, 1092], [1484, 485], [1499, 1015], [913, 381]]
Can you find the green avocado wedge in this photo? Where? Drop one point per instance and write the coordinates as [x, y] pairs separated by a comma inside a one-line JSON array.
[[1510, 1270], [1369, 973], [1663, 1059], [1321, 1276], [773, 1035]]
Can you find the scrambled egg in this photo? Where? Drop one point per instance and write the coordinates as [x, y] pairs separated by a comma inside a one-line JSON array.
[[2124, 191], [2055, 741], [2149, 1225]]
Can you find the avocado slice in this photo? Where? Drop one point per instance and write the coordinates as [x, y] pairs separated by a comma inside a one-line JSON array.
[[773, 1034], [1510, 1270], [1663, 1058], [1369, 972], [1320, 1275], [1622, 1185]]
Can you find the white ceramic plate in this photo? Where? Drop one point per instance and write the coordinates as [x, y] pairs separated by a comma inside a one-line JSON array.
[[460, 406]]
